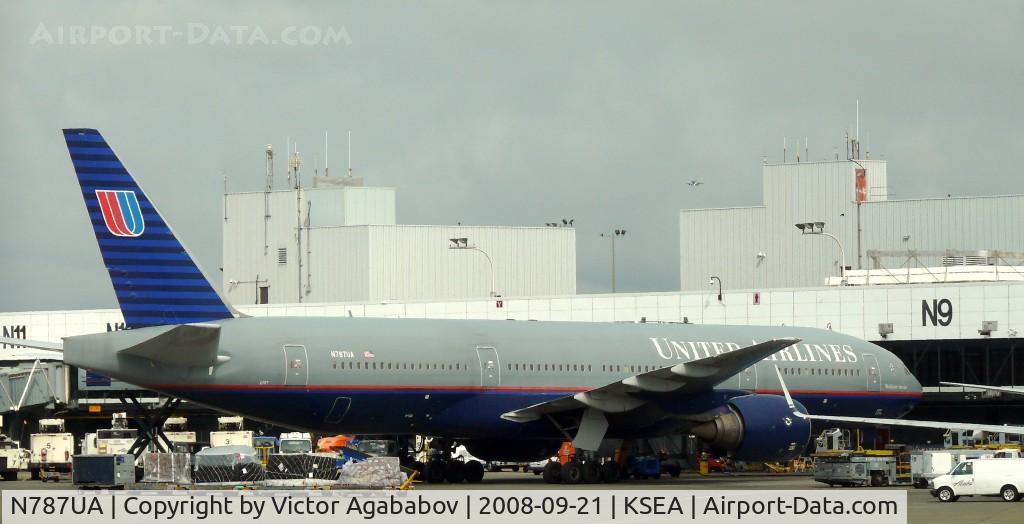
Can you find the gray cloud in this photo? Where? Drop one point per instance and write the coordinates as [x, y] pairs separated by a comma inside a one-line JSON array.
[[506, 114]]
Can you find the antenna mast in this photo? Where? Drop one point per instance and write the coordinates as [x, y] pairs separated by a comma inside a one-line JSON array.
[[350, 154], [266, 198]]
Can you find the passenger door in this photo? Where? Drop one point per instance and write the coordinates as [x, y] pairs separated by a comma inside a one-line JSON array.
[[963, 479], [871, 368], [296, 370], [490, 367]]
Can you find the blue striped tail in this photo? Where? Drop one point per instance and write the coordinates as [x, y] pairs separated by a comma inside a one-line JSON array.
[[156, 280]]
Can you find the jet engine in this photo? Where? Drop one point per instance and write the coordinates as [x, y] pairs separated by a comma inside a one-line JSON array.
[[757, 428], [512, 450]]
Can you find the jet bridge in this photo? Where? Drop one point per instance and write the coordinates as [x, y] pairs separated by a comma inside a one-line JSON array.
[[33, 385]]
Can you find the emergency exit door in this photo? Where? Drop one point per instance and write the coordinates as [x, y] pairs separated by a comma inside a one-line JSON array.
[[490, 368], [296, 370]]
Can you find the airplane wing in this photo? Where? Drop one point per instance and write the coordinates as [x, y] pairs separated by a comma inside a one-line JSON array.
[[1011, 391], [989, 428], [34, 344], [677, 380]]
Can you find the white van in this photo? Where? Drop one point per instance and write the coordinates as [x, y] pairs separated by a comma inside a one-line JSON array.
[[1003, 477]]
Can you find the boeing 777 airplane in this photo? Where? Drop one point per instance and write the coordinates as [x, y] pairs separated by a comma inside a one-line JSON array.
[[507, 390]]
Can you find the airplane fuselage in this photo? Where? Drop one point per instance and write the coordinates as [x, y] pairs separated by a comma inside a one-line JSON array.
[[455, 378]]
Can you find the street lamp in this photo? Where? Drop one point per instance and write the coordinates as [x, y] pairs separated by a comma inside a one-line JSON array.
[[711, 282], [612, 235], [463, 243], [818, 228]]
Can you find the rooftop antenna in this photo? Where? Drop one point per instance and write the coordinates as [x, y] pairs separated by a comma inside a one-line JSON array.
[[783, 150], [807, 156], [327, 171], [293, 163], [288, 158], [350, 154], [868, 151], [266, 198], [270, 167], [858, 120]]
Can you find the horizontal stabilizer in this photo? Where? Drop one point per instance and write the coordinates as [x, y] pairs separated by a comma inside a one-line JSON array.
[[187, 345], [34, 344]]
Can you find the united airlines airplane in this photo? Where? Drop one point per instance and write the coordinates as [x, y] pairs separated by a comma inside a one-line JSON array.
[[506, 390]]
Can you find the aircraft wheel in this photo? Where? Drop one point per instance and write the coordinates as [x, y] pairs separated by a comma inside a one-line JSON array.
[[474, 471], [1009, 493], [674, 471], [455, 471], [610, 472], [572, 472], [434, 471], [876, 479], [552, 472], [591, 472]]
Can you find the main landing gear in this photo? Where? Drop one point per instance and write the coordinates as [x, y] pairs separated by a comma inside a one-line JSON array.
[[580, 471], [443, 466], [151, 420]]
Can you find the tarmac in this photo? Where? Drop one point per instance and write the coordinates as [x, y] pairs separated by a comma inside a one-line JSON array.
[[922, 508]]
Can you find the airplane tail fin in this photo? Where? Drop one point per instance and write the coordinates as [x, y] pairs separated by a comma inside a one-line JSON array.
[[155, 278]]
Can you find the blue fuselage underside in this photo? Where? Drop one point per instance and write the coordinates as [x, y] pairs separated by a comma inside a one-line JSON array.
[[470, 414]]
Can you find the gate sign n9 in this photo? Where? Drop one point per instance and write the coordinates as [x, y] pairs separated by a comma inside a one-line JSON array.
[[938, 313]]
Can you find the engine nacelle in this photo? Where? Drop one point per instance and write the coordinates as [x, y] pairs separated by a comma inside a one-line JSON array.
[[758, 428], [512, 450]]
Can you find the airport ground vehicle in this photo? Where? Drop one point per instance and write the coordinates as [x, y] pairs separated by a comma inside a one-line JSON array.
[[51, 450], [12, 458], [176, 430], [1002, 477], [230, 433], [925, 465], [295, 442], [118, 439], [840, 461]]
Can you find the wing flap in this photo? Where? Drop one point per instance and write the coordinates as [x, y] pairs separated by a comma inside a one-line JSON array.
[[677, 379]]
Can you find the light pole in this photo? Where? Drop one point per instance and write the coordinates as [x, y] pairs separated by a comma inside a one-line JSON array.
[[612, 235], [711, 282], [463, 243], [818, 228]]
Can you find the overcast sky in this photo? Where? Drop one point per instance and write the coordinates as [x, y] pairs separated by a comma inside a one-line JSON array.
[[511, 113]]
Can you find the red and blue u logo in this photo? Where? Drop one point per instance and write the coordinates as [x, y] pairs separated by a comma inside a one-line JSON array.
[[121, 212]]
